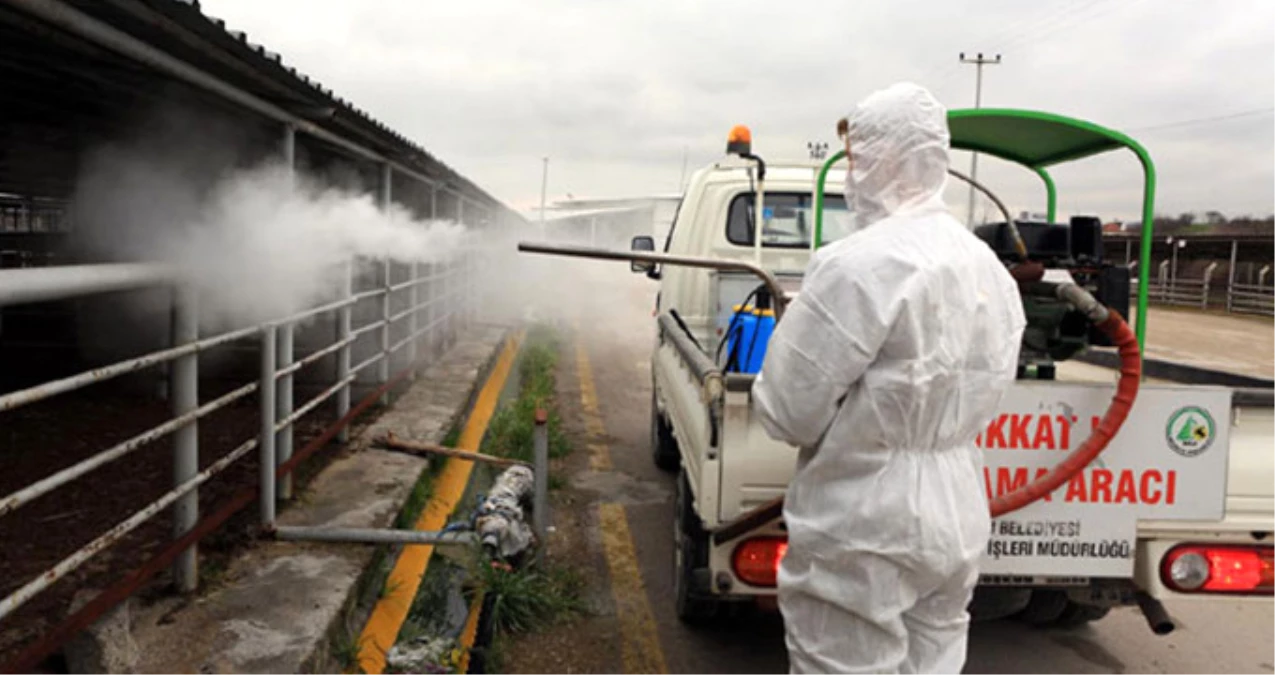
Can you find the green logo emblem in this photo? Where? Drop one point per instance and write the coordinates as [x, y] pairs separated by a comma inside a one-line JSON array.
[[1190, 431]]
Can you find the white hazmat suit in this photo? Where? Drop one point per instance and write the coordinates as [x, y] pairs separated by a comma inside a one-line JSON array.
[[893, 357]]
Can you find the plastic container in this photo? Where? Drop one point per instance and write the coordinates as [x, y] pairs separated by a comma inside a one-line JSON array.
[[757, 347], [750, 331]]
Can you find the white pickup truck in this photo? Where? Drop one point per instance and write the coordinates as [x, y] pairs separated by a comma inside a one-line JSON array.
[[1180, 503]]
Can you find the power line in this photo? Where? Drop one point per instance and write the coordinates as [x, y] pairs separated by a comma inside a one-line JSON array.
[[1078, 18], [1029, 28], [1202, 120], [1052, 27], [1015, 32]]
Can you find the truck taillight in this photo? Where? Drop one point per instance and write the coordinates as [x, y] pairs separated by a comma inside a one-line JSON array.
[[1193, 568], [756, 561]]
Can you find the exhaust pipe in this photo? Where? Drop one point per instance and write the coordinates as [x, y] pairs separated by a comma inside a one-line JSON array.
[[1157, 617]]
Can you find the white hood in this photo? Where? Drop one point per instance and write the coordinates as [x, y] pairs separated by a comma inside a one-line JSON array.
[[899, 146]]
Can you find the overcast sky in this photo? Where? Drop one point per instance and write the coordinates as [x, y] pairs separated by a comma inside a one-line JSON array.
[[614, 92]]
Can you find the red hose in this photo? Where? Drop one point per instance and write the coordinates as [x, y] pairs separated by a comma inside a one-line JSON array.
[[1126, 391]]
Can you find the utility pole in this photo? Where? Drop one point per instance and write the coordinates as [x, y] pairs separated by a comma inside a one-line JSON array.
[[544, 184], [978, 62]]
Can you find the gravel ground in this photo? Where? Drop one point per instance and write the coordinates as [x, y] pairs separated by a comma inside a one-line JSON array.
[[40, 439]]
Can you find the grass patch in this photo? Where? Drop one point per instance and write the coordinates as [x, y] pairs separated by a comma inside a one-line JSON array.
[[529, 598], [415, 503], [512, 428]]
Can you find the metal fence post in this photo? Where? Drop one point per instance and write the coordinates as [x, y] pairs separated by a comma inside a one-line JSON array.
[[431, 312], [266, 391], [343, 329], [540, 465], [285, 354], [461, 308], [1164, 281], [283, 404], [1230, 275], [445, 303], [383, 366], [1208, 278], [184, 398], [413, 322]]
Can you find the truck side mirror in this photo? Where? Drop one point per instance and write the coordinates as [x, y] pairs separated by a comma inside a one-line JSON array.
[[643, 244]]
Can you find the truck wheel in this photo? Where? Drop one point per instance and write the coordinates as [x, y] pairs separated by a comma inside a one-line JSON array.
[[690, 560], [1045, 607], [663, 446], [1076, 615], [997, 602]]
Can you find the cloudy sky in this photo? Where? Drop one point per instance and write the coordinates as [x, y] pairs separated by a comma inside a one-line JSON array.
[[615, 92]]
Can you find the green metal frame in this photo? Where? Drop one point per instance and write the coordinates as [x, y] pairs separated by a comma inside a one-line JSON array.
[[1086, 139]]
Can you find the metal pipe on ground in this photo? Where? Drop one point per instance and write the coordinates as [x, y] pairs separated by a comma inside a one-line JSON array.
[[390, 442], [359, 535]]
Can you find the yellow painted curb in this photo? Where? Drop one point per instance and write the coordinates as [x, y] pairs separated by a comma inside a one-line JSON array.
[[470, 633], [390, 611]]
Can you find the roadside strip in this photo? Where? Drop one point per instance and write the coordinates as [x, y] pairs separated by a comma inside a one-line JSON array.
[[387, 618]]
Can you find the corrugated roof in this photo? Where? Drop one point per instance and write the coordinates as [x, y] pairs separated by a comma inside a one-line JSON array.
[[191, 11], [68, 93]]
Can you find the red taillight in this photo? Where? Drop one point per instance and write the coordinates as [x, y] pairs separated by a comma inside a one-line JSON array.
[[756, 561], [1219, 569]]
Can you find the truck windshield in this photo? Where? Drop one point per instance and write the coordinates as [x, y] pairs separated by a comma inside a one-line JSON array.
[[789, 220]]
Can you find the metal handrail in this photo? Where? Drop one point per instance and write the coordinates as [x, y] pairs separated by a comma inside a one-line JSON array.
[[273, 421]]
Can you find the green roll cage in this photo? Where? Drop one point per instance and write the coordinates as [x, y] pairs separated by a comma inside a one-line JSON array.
[[1039, 140]]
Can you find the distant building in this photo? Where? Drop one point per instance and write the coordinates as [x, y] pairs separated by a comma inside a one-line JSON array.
[[609, 222]]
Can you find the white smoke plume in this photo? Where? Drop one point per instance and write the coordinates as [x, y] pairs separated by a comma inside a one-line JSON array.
[[258, 243], [267, 243]]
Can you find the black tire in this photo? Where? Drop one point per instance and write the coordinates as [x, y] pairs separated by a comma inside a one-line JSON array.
[[997, 602], [1076, 615], [1045, 607], [694, 604], [664, 448]]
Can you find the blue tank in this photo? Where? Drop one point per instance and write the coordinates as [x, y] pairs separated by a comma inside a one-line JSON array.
[[749, 333]]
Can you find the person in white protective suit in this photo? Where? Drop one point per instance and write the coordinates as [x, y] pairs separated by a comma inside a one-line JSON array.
[[883, 370]]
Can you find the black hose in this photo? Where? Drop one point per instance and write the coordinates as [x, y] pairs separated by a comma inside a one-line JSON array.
[[686, 329]]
